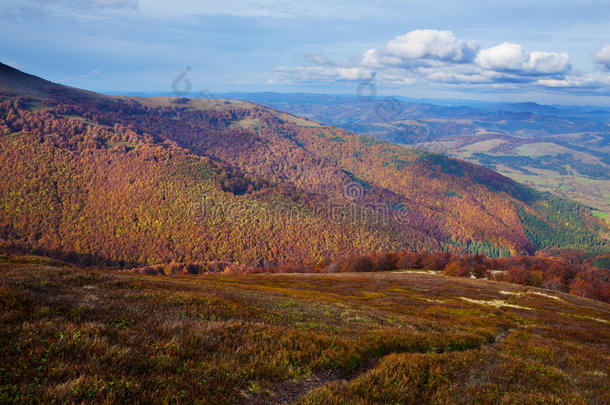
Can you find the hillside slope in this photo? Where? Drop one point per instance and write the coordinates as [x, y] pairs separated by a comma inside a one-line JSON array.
[[69, 335], [119, 180], [561, 149]]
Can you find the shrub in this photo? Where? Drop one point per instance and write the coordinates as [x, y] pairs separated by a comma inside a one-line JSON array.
[[194, 268], [535, 278], [409, 260], [386, 262], [516, 274], [357, 264], [459, 268]]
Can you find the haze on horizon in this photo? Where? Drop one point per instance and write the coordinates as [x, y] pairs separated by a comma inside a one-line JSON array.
[[553, 52]]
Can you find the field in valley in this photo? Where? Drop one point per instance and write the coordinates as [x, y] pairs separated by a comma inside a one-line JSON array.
[[79, 335]]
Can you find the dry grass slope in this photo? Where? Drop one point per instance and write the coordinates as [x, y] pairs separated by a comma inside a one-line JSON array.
[[74, 335]]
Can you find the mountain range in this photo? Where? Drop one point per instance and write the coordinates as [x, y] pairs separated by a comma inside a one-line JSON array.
[[561, 149], [123, 180]]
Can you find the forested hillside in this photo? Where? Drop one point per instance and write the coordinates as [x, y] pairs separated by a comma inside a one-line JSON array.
[[117, 180], [561, 149]]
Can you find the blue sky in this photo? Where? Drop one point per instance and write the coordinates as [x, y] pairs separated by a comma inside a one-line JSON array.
[[546, 51]]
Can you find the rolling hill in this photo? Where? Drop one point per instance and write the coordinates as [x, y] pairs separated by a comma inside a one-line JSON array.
[[561, 149], [126, 180]]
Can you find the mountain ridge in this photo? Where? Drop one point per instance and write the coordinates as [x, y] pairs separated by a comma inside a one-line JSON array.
[[561, 149], [116, 179]]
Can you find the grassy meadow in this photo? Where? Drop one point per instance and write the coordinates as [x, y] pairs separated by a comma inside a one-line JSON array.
[[76, 335]]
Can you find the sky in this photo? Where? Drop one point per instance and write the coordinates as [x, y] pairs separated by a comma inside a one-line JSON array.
[[553, 52]]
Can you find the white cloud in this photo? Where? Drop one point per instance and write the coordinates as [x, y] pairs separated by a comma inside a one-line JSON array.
[[603, 57], [548, 62], [509, 57], [421, 48], [439, 58], [585, 81], [505, 56], [370, 58], [430, 44], [452, 77]]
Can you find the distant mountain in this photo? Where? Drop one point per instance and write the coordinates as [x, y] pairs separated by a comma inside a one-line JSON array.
[[123, 180], [562, 149]]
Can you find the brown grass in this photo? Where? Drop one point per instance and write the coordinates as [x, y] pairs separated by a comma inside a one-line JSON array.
[[74, 335]]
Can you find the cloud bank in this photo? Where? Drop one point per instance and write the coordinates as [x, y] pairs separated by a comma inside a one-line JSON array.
[[509, 57], [422, 46], [439, 58]]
